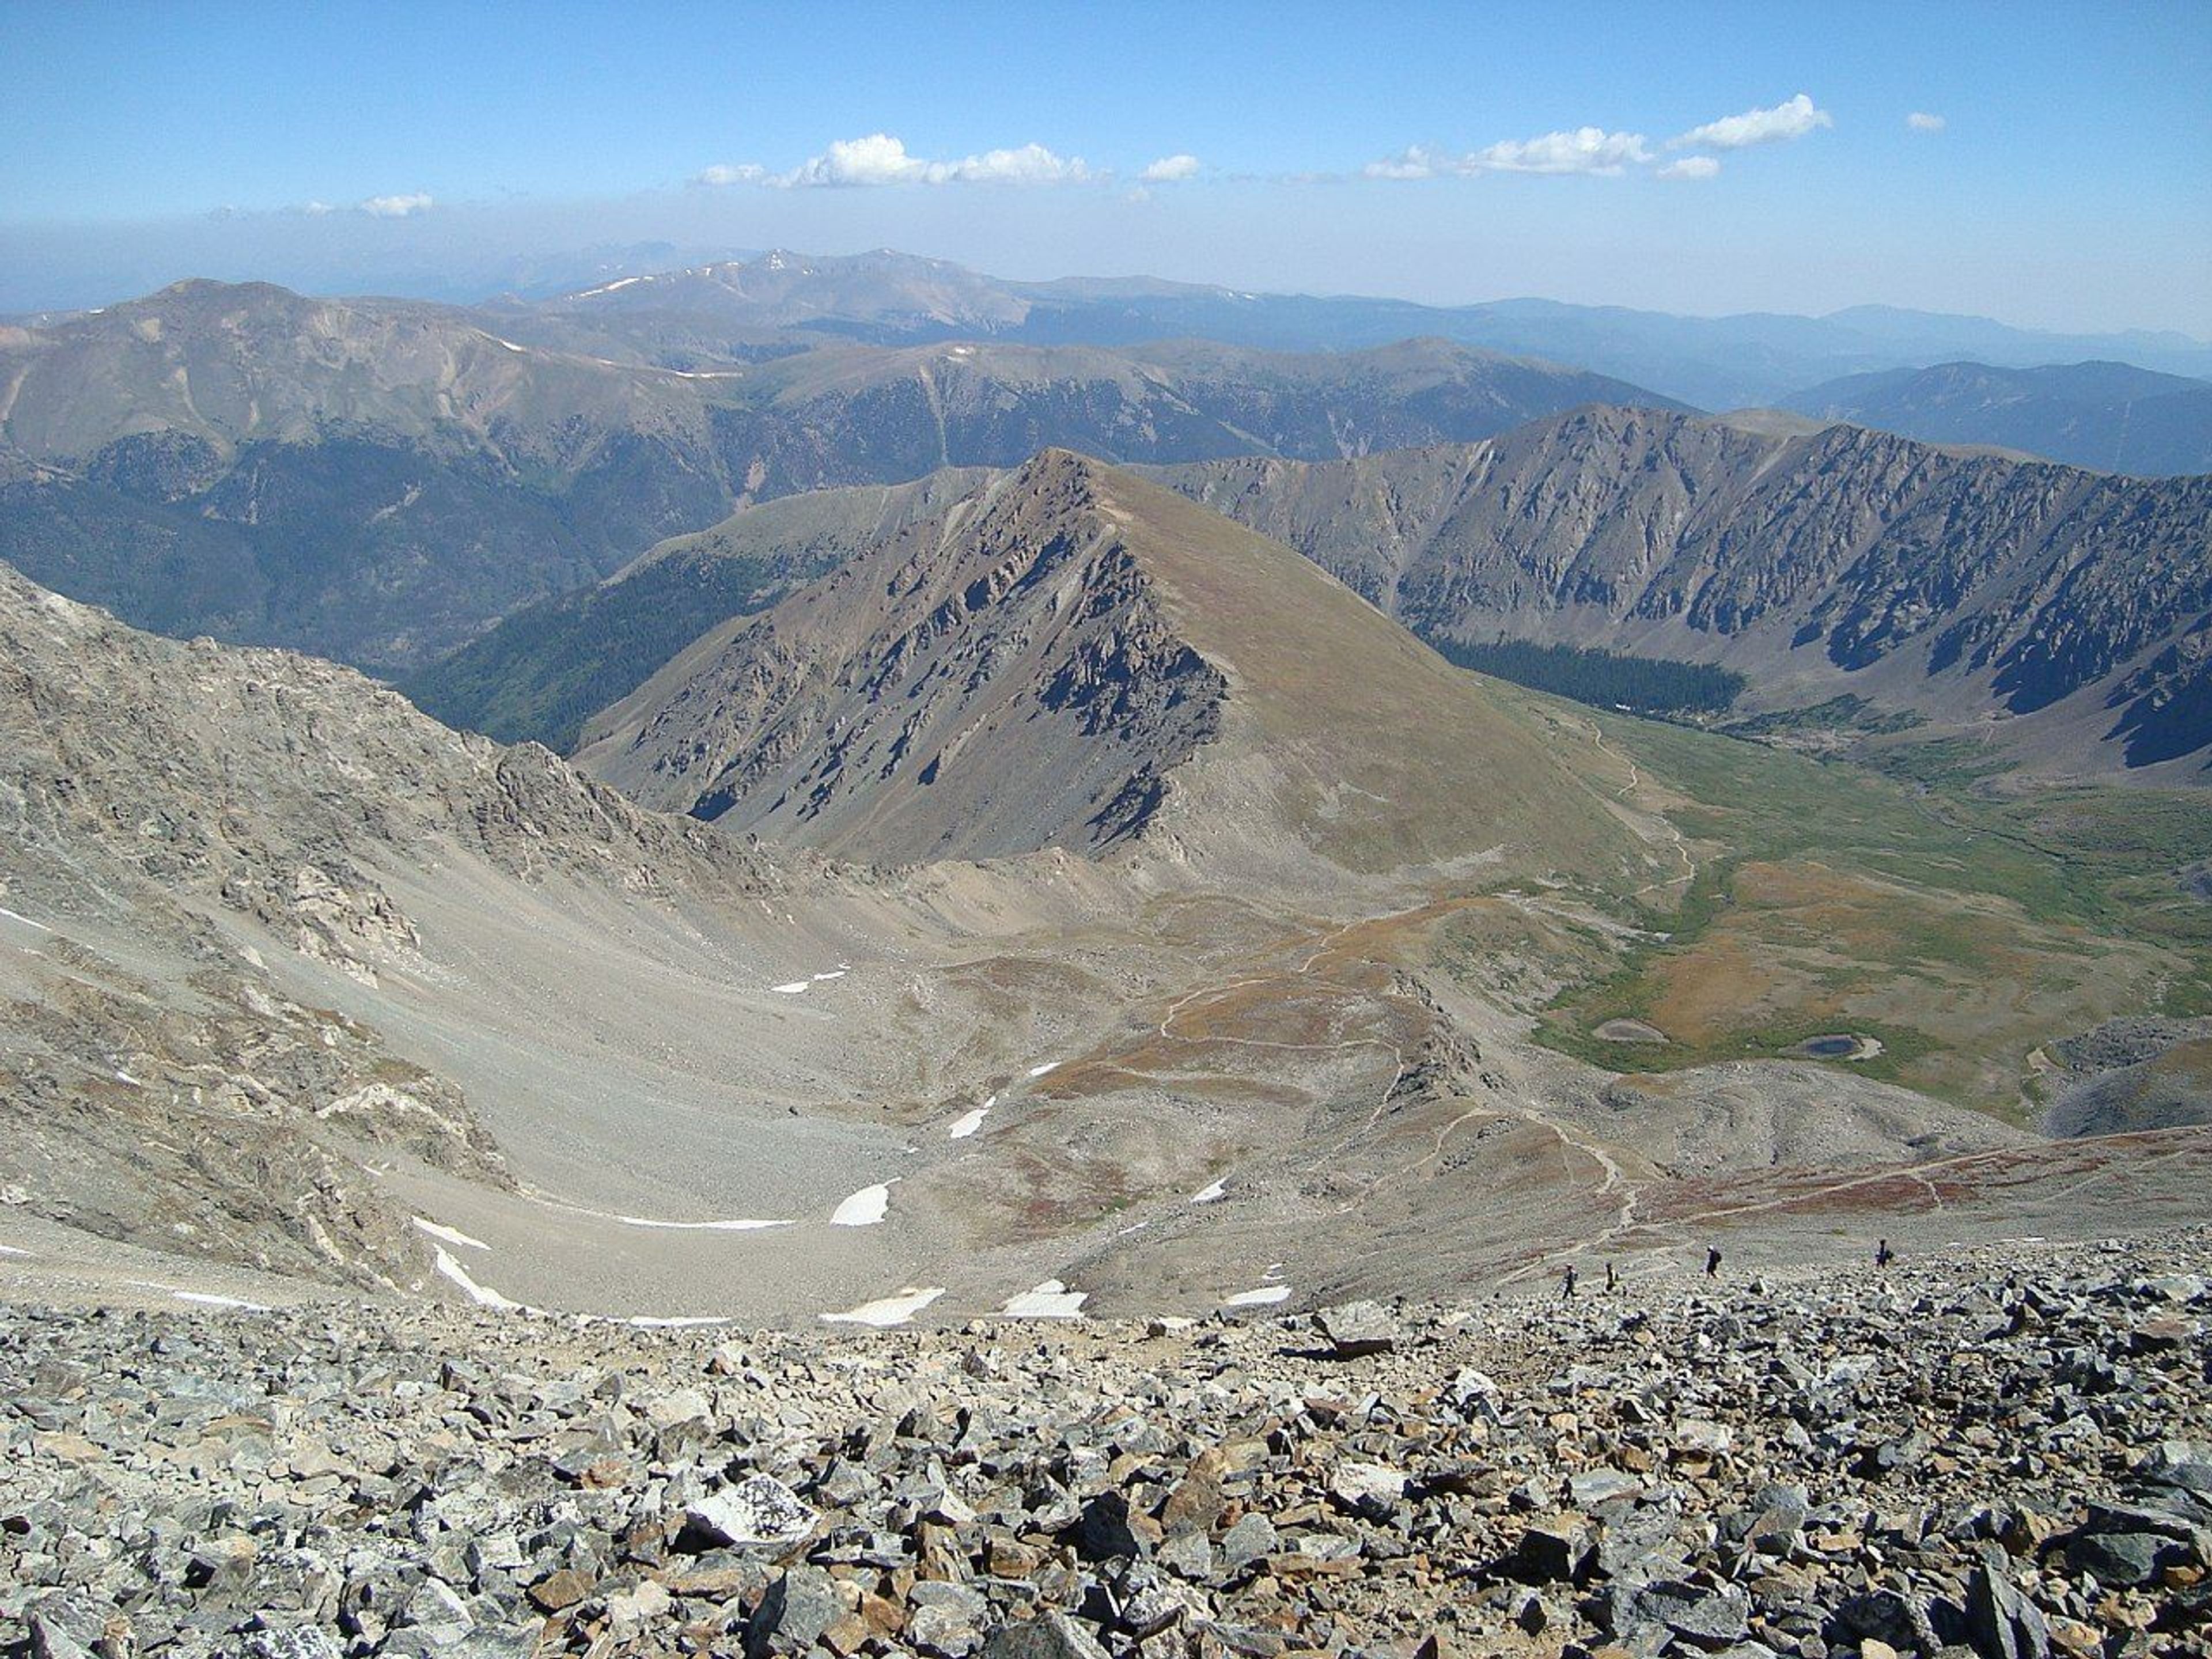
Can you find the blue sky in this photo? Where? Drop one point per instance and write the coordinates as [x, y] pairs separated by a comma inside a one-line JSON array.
[[1639, 155]]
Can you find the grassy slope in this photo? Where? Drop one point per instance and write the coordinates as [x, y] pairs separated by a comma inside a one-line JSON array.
[[1389, 755], [1963, 929]]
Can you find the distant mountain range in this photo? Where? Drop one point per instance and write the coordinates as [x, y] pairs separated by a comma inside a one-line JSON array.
[[2055, 615], [377, 481], [2112, 417], [1713, 362]]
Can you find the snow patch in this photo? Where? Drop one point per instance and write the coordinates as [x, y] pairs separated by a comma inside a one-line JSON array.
[[481, 1295], [1050, 1300], [1208, 1195], [792, 989], [864, 1209], [890, 1309], [13, 915], [451, 1235], [1264, 1297], [968, 1122], [10, 1250], [741, 1225], [609, 288], [125, 1077], [835, 973], [1050, 1066], [203, 1298]]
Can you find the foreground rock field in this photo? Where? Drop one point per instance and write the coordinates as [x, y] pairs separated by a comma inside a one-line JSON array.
[[2005, 1451]]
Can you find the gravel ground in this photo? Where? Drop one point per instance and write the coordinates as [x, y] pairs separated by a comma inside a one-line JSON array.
[[1999, 1450]]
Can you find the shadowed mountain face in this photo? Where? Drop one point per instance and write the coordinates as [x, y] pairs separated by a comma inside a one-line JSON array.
[[1057, 658], [376, 480], [2068, 606], [2108, 415]]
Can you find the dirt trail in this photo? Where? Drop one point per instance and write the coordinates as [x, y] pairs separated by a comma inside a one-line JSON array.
[[1635, 781]]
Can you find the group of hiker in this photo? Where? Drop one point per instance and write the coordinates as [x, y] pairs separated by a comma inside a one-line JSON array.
[[1883, 1255]]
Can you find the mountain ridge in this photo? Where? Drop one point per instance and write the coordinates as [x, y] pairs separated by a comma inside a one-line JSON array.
[[929, 698], [2112, 416], [377, 482], [1819, 561]]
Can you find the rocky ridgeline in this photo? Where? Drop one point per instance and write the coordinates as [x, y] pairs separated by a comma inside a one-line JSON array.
[[1999, 1452]]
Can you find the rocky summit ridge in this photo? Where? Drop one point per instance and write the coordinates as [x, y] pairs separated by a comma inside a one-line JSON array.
[[1996, 1453]]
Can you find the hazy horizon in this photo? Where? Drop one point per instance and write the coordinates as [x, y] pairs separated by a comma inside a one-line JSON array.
[[2037, 165]]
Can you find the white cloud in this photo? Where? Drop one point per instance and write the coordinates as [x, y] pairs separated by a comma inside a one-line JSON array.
[[1415, 163], [723, 173], [1586, 149], [1691, 167], [880, 159], [1792, 118], [1169, 169], [395, 207], [1920, 121], [316, 210]]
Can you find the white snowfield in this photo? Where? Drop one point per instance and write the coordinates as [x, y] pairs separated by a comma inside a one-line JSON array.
[[968, 1122], [888, 1310], [17, 916], [1208, 1195], [1050, 1300], [207, 1300], [792, 989], [734, 1224], [1050, 1066], [483, 1295], [739, 1225], [201, 1298], [451, 1235], [864, 1209], [10, 1250], [1265, 1295]]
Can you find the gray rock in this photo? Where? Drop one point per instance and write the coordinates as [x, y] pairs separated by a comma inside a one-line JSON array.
[[1587, 1489], [759, 1510], [1372, 1490], [1554, 1552], [2123, 1559], [2003, 1623], [801, 1604], [1054, 1636], [1251, 1538], [1355, 1329]]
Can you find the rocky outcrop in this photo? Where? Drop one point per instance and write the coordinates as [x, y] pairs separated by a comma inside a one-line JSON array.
[[995, 680]]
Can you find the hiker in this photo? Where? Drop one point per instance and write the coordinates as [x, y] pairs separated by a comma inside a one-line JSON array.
[[1567, 1283], [1712, 1262], [1883, 1255]]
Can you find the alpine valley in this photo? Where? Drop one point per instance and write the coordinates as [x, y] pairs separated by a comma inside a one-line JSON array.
[[1202, 851]]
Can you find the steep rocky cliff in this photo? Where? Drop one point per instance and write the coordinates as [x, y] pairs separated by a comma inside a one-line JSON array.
[[1959, 585]]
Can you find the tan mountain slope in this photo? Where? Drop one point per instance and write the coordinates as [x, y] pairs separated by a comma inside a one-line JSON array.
[[1072, 657]]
